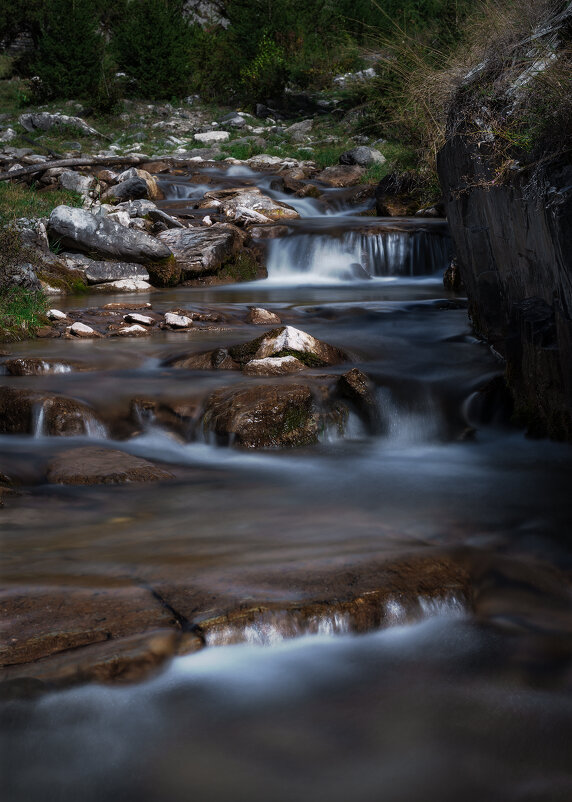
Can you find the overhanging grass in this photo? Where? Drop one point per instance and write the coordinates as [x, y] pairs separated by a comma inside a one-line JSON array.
[[22, 312], [18, 200]]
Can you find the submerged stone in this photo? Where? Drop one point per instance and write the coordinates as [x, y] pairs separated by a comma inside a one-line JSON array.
[[96, 466]]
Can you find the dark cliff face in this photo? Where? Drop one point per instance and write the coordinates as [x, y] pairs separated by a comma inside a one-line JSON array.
[[514, 250]]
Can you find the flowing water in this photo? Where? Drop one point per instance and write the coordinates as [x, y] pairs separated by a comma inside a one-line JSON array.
[[449, 690]]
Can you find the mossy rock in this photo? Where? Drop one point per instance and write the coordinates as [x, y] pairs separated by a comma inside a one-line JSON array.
[[165, 273]]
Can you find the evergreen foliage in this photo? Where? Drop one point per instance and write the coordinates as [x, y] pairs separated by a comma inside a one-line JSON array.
[[153, 44], [69, 48]]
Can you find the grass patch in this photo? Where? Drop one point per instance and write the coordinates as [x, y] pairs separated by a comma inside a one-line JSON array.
[[18, 200], [22, 312]]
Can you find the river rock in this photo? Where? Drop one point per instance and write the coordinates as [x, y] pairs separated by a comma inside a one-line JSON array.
[[100, 272], [141, 320], [29, 412], [359, 390], [178, 321], [132, 331], [75, 182], [273, 366], [124, 285], [45, 621], [94, 234], [130, 189], [202, 251], [219, 359], [148, 210], [341, 175], [362, 156], [281, 342], [82, 330], [237, 203], [262, 317], [263, 416], [34, 366], [153, 190], [56, 314], [287, 341], [96, 466]]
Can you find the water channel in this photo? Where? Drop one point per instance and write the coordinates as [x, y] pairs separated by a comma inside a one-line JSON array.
[[456, 689]]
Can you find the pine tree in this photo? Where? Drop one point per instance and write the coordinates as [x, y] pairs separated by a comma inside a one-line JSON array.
[[69, 49], [153, 45]]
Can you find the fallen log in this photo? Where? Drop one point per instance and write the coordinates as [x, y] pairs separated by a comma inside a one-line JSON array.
[[80, 161]]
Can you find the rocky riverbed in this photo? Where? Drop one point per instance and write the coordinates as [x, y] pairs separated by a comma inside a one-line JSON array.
[[194, 465]]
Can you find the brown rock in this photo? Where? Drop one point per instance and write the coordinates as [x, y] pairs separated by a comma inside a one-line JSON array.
[[341, 175], [38, 622], [34, 366], [219, 359], [357, 387], [280, 342], [98, 466], [122, 659], [262, 317], [263, 416], [273, 366], [28, 412]]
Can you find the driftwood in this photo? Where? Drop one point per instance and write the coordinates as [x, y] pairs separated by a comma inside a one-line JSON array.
[[86, 161]]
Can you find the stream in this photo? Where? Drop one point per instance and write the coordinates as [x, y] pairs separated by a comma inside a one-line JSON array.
[[450, 525]]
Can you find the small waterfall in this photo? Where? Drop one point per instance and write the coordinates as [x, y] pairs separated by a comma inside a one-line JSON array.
[[38, 424], [418, 420], [269, 629], [49, 419], [355, 255]]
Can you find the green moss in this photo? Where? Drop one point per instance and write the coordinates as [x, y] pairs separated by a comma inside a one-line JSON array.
[[310, 360], [165, 273], [244, 352], [242, 267]]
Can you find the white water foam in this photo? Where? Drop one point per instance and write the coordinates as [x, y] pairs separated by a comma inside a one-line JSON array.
[[355, 256]]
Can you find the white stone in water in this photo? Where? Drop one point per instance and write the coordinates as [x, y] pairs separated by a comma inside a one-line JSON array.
[[210, 137], [143, 320], [291, 339], [273, 366], [206, 221], [55, 314], [123, 285], [81, 330], [178, 321], [132, 331]]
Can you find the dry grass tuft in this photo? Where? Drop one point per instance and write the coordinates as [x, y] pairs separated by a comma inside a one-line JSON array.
[[507, 79]]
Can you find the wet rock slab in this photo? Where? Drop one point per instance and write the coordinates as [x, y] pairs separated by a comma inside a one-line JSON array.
[[94, 466], [42, 621]]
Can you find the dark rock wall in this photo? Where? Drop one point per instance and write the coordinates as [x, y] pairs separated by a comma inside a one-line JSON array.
[[514, 249]]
